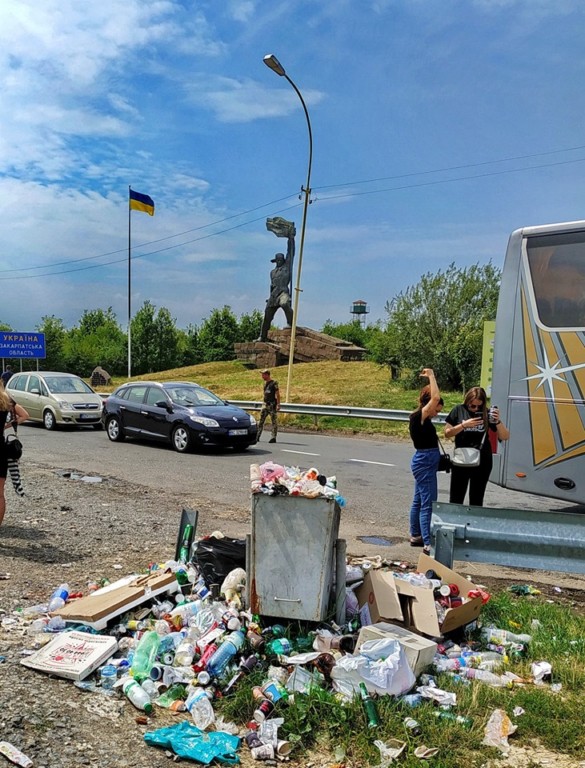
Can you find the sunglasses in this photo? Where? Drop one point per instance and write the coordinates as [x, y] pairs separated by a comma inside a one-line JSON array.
[[472, 407]]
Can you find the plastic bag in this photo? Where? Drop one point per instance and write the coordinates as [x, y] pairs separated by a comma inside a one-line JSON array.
[[497, 730], [215, 558], [380, 664], [187, 741]]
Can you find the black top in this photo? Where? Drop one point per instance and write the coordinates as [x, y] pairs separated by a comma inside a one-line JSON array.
[[423, 433], [3, 418], [469, 437], [270, 390]]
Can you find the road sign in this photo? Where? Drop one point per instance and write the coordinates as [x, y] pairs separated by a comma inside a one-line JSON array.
[[16, 344]]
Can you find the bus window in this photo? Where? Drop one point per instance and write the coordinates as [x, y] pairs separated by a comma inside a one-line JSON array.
[[557, 269]]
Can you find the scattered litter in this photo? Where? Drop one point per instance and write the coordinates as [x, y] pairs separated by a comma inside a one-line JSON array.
[[497, 730], [425, 753], [389, 751], [541, 671], [518, 711], [523, 589], [15, 755]]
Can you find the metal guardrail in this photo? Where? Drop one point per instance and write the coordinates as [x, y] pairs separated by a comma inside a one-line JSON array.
[[519, 538], [385, 414], [333, 410]]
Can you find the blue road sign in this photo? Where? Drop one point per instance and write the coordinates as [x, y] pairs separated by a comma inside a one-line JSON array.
[[16, 344]]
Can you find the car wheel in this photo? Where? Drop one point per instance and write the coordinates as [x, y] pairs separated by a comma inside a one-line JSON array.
[[114, 429], [49, 420], [181, 438]]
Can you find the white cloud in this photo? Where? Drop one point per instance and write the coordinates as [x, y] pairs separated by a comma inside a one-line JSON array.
[[241, 101]]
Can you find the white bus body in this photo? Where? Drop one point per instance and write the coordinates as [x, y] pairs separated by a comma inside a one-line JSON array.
[[539, 362]]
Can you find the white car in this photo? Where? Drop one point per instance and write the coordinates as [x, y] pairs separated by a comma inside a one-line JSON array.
[[56, 398]]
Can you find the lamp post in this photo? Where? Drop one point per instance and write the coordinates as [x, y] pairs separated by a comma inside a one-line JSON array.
[[273, 63]]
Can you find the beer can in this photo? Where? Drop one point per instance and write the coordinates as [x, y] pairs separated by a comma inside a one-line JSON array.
[[256, 641], [454, 590], [263, 711], [258, 693]]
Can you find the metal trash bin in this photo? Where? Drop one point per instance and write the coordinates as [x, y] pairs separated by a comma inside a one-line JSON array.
[[292, 557]]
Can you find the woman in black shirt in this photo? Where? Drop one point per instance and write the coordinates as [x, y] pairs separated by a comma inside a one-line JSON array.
[[468, 424], [424, 462]]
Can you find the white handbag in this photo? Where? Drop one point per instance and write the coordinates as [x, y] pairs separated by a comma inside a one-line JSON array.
[[468, 457]]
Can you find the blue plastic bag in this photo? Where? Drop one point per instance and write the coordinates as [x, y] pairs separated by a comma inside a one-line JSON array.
[[186, 740]]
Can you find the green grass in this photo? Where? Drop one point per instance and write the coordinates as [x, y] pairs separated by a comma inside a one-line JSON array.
[[359, 384], [320, 721]]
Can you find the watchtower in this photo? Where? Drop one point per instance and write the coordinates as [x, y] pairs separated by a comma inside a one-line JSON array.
[[359, 310]]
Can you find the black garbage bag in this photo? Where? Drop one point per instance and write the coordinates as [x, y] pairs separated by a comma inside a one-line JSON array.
[[215, 558]]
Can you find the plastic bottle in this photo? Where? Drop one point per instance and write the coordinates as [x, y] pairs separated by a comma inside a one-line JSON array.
[[494, 635], [498, 681], [186, 543], [369, 707], [184, 653], [412, 726], [137, 695], [281, 646], [186, 610], [145, 655], [444, 714], [199, 706], [59, 598], [108, 676], [226, 651]]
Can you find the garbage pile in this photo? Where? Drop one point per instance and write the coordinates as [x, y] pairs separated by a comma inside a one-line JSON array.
[[278, 480], [189, 644]]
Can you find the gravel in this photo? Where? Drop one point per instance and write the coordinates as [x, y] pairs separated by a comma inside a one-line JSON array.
[[68, 530]]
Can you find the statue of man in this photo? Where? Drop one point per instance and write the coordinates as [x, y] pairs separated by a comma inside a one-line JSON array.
[[280, 278]]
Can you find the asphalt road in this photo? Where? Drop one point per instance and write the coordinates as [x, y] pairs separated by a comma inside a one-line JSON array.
[[373, 475]]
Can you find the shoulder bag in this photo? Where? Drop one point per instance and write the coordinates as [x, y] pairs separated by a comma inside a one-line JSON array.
[[444, 459], [468, 457]]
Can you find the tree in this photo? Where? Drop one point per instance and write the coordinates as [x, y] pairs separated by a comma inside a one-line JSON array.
[[218, 334], [438, 323], [250, 326], [167, 341], [55, 335], [96, 340], [143, 339]]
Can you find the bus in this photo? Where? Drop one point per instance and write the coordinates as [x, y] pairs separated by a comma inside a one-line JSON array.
[[538, 375]]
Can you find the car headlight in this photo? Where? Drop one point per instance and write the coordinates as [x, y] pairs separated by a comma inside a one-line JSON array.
[[205, 421], [64, 405], [252, 421]]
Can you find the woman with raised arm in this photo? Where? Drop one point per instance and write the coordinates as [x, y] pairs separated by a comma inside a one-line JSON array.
[[425, 461]]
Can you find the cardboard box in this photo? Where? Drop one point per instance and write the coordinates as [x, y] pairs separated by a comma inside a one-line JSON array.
[[96, 609], [419, 650], [73, 655], [384, 598]]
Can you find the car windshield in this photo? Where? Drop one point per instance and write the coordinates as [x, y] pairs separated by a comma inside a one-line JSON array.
[[67, 385], [192, 396]]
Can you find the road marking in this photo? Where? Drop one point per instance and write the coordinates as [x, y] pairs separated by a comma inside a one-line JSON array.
[[303, 453], [381, 463]]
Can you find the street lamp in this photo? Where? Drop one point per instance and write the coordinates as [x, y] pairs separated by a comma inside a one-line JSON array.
[[274, 64]]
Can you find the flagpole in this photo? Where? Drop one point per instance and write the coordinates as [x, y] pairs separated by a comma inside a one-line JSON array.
[[129, 285]]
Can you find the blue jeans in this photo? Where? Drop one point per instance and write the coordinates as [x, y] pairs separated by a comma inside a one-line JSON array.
[[424, 468]]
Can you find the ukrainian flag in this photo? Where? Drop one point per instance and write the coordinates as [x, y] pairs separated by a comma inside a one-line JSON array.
[[140, 202]]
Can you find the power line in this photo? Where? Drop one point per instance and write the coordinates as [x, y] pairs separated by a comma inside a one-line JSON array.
[[324, 199]]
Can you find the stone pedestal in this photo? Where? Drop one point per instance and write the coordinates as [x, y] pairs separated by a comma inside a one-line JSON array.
[[310, 346]]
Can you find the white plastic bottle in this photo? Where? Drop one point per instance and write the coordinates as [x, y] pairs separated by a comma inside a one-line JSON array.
[[199, 706], [185, 651], [137, 695]]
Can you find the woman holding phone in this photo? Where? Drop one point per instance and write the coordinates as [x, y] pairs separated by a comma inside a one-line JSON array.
[[468, 423]]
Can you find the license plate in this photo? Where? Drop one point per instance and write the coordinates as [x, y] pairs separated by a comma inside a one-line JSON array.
[[234, 432], [87, 415]]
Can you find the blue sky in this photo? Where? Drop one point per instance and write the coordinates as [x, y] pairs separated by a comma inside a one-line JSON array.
[[439, 127]]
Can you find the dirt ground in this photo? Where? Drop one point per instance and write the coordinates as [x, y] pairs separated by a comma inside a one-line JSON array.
[[70, 530]]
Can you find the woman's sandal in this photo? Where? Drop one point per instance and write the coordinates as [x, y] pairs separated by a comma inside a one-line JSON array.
[[426, 550], [416, 541]]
